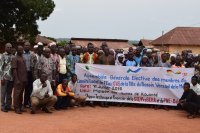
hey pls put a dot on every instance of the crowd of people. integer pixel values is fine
(43, 77)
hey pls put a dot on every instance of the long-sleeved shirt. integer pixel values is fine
(39, 91)
(190, 96)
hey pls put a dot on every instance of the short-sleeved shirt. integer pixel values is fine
(19, 64)
(5, 66)
(72, 61)
(47, 65)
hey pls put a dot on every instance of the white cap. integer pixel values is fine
(174, 55)
(78, 46)
(35, 46)
(145, 56)
(134, 48)
(52, 44)
(40, 44)
(149, 50)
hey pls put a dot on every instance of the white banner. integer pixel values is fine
(145, 85)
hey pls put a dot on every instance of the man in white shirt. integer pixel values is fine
(42, 95)
(195, 86)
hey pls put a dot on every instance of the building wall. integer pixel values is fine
(179, 49)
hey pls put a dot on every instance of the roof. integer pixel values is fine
(100, 39)
(112, 43)
(43, 40)
(180, 36)
(145, 42)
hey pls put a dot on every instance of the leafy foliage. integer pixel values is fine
(18, 17)
(63, 43)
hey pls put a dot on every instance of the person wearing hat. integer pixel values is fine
(38, 55)
(149, 55)
(145, 62)
(119, 59)
(35, 47)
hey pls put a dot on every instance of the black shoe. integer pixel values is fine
(27, 106)
(22, 110)
(92, 104)
(191, 116)
(102, 104)
(46, 110)
(10, 109)
(106, 105)
(32, 112)
(17, 111)
(4, 110)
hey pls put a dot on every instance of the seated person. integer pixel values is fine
(190, 101)
(66, 96)
(195, 86)
(42, 95)
(73, 86)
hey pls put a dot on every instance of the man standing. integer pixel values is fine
(130, 61)
(42, 95)
(20, 79)
(62, 65)
(73, 59)
(28, 56)
(34, 63)
(6, 78)
(90, 57)
(106, 58)
(54, 54)
(47, 65)
(138, 56)
(178, 63)
(163, 61)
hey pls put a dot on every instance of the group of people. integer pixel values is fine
(45, 77)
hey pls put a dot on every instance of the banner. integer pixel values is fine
(145, 85)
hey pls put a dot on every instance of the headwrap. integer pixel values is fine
(117, 63)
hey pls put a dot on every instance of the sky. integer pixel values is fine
(119, 19)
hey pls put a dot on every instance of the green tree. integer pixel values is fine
(19, 17)
(63, 43)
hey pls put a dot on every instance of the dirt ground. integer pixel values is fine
(100, 120)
